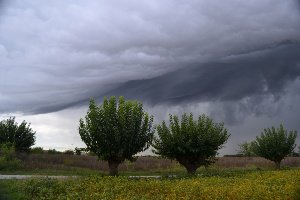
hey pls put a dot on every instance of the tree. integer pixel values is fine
(37, 150)
(79, 151)
(22, 137)
(8, 158)
(246, 149)
(116, 130)
(191, 143)
(275, 144)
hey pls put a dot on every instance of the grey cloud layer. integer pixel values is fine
(254, 74)
(59, 54)
(236, 87)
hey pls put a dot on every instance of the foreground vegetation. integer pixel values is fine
(229, 177)
(226, 184)
(63, 164)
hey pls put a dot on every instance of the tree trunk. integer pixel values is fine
(113, 168)
(191, 168)
(277, 164)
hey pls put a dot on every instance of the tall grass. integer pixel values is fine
(150, 163)
(258, 185)
(63, 161)
(232, 162)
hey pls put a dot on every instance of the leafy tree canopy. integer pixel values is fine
(246, 149)
(21, 136)
(116, 130)
(275, 143)
(191, 142)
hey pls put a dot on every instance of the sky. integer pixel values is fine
(236, 61)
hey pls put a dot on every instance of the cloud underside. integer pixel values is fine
(260, 73)
(254, 76)
(255, 83)
(58, 55)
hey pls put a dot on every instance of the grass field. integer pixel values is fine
(61, 164)
(225, 184)
(228, 178)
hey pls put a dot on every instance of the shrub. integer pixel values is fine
(247, 149)
(8, 159)
(53, 151)
(116, 130)
(36, 150)
(21, 136)
(192, 143)
(275, 144)
(69, 152)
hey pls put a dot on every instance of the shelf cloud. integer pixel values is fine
(58, 54)
(239, 58)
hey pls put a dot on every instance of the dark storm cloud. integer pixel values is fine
(2, 4)
(59, 54)
(252, 74)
